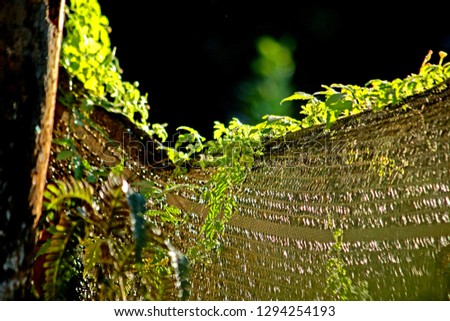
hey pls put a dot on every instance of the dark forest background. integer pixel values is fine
(191, 56)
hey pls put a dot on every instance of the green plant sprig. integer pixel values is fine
(337, 100)
(87, 55)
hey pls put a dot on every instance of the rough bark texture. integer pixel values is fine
(30, 39)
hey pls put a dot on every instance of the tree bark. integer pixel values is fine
(30, 41)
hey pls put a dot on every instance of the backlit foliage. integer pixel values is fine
(107, 240)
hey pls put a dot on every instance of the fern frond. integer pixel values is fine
(109, 249)
(92, 253)
(114, 207)
(59, 249)
(55, 251)
(62, 191)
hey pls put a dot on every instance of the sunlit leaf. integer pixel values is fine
(299, 95)
(92, 254)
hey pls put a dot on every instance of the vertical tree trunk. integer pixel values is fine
(30, 41)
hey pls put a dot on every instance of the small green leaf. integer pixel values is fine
(334, 99)
(78, 168)
(299, 95)
(91, 178)
(65, 154)
(92, 254)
